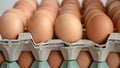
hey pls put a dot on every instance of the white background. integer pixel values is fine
(7, 4)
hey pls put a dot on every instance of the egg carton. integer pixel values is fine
(13, 48)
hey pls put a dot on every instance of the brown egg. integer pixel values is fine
(113, 10)
(51, 11)
(55, 59)
(2, 58)
(25, 10)
(116, 17)
(112, 4)
(26, 59)
(84, 59)
(19, 13)
(7, 21)
(99, 26)
(70, 10)
(117, 26)
(68, 32)
(33, 3)
(75, 2)
(92, 13)
(113, 63)
(98, 6)
(41, 27)
(109, 2)
(52, 3)
(91, 1)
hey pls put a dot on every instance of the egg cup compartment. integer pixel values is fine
(13, 48)
(9, 65)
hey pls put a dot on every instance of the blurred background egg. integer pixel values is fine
(84, 59)
(26, 59)
(55, 59)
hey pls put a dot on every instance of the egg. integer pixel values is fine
(116, 17)
(2, 58)
(55, 59)
(117, 26)
(84, 59)
(26, 59)
(68, 28)
(33, 3)
(41, 27)
(109, 2)
(90, 14)
(7, 30)
(113, 10)
(113, 63)
(86, 3)
(98, 28)
(19, 13)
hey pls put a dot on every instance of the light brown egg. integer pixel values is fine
(53, 3)
(19, 13)
(98, 6)
(84, 59)
(91, 1)
(117, 26)
(55, 59)
(71, 2)
(109, 2)
(41, 27)
(10, 26)
(33, 3)
(113, 63)
(2, 58)
(51, 11)
(26, 59)
(116, 17)
(99, 26)
(68, 28)
(92, 13)
(113, 10)
(25, 10)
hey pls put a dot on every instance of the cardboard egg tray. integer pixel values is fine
(13, 48)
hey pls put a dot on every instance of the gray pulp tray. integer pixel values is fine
(13, 48)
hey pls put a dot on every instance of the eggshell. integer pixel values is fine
(99, 6)
(113, 63)
(41, 27)
(25, 10)
(51, 11)
(84, 59)
(51, 3)
(52, 18)
(116, 17)
(75, 2)
(2, 58)
(23, 4)
(117, 26)
(7, 21)
(113, 10)
(55, 59)
(70, 10)
(68, 28)
(109, 2)
(91, 1)
(19, 13)
(98, 28)
(26, 59)
(112, 5)
(32, 3)
(90, 14)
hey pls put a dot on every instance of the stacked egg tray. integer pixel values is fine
(13, 48)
